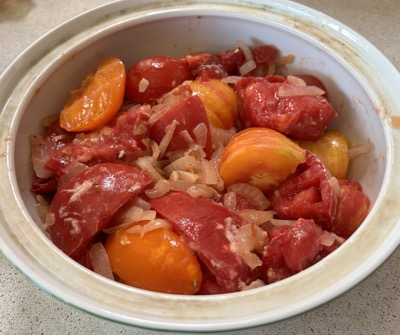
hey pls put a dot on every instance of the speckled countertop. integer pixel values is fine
(373, 307)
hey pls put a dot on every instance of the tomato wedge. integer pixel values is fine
(98, 99)
(84, 206)
(205, 227)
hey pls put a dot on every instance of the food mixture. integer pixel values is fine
(205, 174)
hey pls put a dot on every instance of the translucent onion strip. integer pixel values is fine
(248, 55)
(359, 150)
(290, 91)
(152, 225)
(100, 261)
(145, 163)
(200, 134)
(160, 188)
(252, 193)
(185, 163)
(297, 81)
(256, 217)
(168, 136)
(247, 67)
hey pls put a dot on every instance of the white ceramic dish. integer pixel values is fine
(362, 86)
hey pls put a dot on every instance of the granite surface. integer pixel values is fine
(373, 307)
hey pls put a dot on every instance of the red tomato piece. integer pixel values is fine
(304, 117)
(291, 249)
(45, 185)
(264, 54)
(230, 60)
(353, 207)
(306, 194)
(117, 142)
(152, 77)
(205, 226)
(189, 113)
(84, 206)
(311, 80)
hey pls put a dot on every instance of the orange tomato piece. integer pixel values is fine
(219, 100)
(98, 99)
(259, 156)
(332, 149)
(159, 261)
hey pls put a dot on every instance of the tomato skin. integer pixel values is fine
(203, 225)
(302, 117)
(219, 100)
(311, 80)
(163, 73)
(84, 206)
(306, 194)
(159, 261)
(264, 54)
(106, 145)
(259, 156)
(98, 99)
(189, 113)
(291, 249)
(353, 207)
(332, 149)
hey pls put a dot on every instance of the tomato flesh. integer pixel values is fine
(158, 261)
(152, 77)
(98, 99)
(84, 206)
(204, 225)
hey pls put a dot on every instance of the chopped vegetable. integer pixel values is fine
(97, 100)
(261, 157)
(158, 261)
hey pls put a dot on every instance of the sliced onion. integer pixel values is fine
(247, 67)
(100, 261)
(50, 220)
(297, 81)
(290, 91)
(188, 139)
(231, 79)
(200, 134)
(42, 208)
(145, 164)
(158, 112)
(333, 182)
(151, 225)
(180, 185)
(185, 176)
(284, 60)
(209, 172)
(250, 238)
(255, 216)
(252, 193)
(221, 136)
(254, 284)
(143, 85)
(39, 156)
(248, 55)
(327, 238)
(271, 68)
(168, 136)
(280, 223)
(140, 128)
(185, 163)
(200, 190)
(140, 202)
(160, 188)
(359, 150)
(230, 200)
(155, 149)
